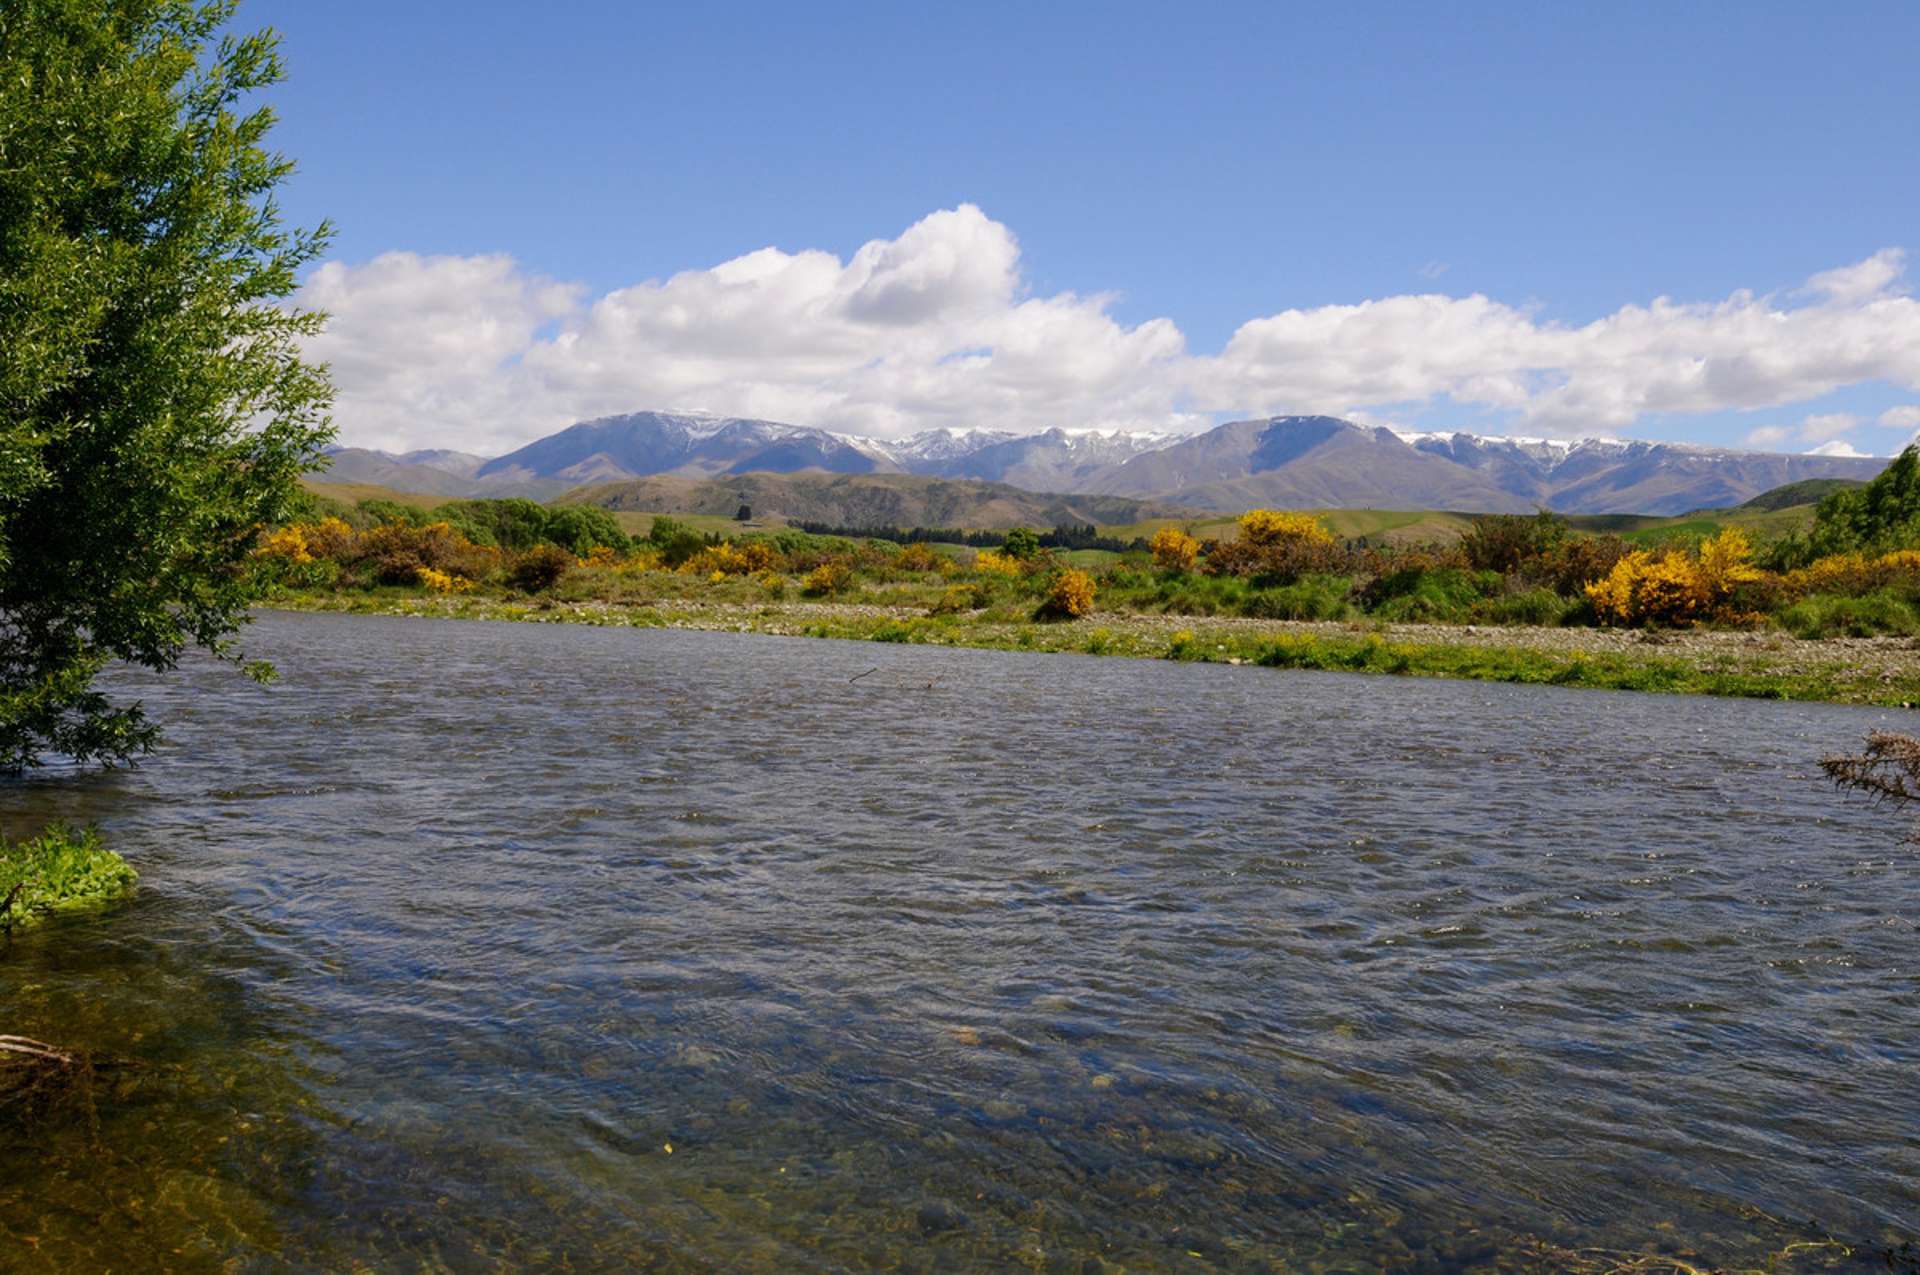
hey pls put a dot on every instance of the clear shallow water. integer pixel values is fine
(982, 960)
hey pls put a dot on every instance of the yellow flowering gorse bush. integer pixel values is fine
(287, 543)
(1676, 587)
(997, 564)
(1276, 526)
(1173, 549)
(1070, 594)
(442, 581)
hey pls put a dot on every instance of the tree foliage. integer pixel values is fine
(1881, 516)
(155, 412)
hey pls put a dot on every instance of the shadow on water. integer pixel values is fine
(501, 948)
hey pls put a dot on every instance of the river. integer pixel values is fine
(483, 946)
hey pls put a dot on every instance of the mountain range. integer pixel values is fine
(1285, 461)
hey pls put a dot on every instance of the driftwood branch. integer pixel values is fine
(34, 1049)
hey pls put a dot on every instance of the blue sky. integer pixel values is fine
(1204, 169)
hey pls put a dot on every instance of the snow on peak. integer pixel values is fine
(1838, 447)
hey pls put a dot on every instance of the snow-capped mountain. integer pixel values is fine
(1289, 461)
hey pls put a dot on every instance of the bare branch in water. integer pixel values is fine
(1889, 770)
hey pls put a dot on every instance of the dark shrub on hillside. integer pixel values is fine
(1508, 542)
(1278, 562)
(395, 553)
(539, 568)
(1576, 562)
(674, 541)
(1428, 594)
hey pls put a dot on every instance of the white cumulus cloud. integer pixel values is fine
(937, 327)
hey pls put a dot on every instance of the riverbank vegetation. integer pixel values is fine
(61, 869)
(1384, 607)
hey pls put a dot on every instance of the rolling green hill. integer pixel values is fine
(1809, 492)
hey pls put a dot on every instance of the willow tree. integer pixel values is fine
(155, 411)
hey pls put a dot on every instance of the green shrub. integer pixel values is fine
(385, 512)
(1507, 543)
(1200, 595)
(1535, 606)
(1021, 543)
(1313, 597)
(58, 870)
(675, 541)
(1425, 595)
(1825, 615)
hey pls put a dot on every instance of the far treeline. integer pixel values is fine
(1854, 572)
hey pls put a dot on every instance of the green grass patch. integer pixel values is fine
(1542, 607)
(1313, 597)
(1528, 667)
(1826, 615)
(62, 869)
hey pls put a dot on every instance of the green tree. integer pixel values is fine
(675, 541)
(581, 527)
(1881, 516)
(155, 412)
(1021, 543)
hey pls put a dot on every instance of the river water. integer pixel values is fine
(472, 947)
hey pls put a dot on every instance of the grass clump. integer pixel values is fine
(1429, 595)
(59, 870)
(1825, 615)
(1541, 607)
(1311, 597)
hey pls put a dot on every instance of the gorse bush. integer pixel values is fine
(826, 580)
(1069, 595)
(443, 582)
(1276, 548)
(395, 553)
(998, 564)
(1275, 526)
(1676, 587)
(1173, 549)
(958, 598)
(919, 557)
(539, 568)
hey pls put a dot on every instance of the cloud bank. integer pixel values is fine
(937, 328)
